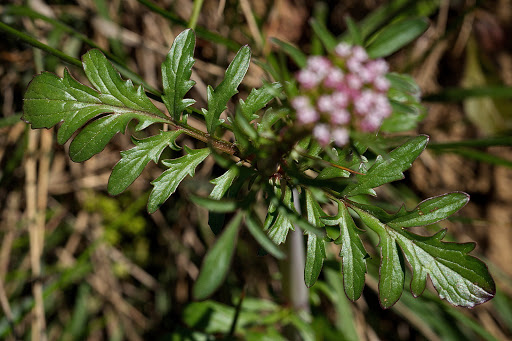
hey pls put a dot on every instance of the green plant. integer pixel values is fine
(271, 157)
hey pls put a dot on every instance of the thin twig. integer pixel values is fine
(238, 309)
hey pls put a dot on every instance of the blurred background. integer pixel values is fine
(82, 265)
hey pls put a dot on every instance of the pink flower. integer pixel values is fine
(370, 123)
(340, 136)
(366, 75)
(308, 79)
(340, 116)
(354, 65)
(301, 102)
(319, 65)
(381, 106)
(378, 67)
(307, 115)
(322, 134)
(353, 81)
(359, 53)
(381, 83)
(326, 103)
(365, 102)
(334, 78)
(343, 50)
(340, 99)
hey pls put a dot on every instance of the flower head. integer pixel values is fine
(343, 92)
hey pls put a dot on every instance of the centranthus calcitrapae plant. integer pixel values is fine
(315, 133)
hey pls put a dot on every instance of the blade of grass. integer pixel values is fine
(71, 60)
(36, 43)
(480, 156)
(459, 94)
(200, 31)
(485, 142)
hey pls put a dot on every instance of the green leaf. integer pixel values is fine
(389, 168)
(392, 276)
(295, 54)
(133, 161)
(404, 96)
(223, 182)
(356, 36)
(461, 279)
(431, 210)
(277, 224)
(315, 252)
(258, 99)
(50, 100)
(217, 261)
(176, 71)
(352, 252)
(246, 136)
(167, 183)
(256, 231)
(218, 98)
(323, 34)
(216, 205)
(404, 84)
(404, 117)
(395, 36)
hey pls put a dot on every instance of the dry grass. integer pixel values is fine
(59, 230)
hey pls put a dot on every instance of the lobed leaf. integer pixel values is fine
(133, 161)
(217, 261)
(50, 100)
(277, 224)
(461, 279)
(430, 211)
(352, 252)
(223, 182)
(218, 98)
(176, 72)
(389, 168)
(246, 136)
(315, 252)
(167, 183)
(258, 99)
(256, 231)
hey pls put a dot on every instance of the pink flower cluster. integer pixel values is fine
(346, 91)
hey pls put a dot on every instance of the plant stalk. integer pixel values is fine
(293, 273)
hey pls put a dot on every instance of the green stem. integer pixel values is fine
(222, 145)
(73, 61)
(34, 42)
(238, 309)
(198, 4)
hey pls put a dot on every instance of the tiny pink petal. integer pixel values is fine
(340, 116)
(359, 53)
(381, 83)
(322, 134)
(307, 116)
(340, 136)
(343, 50)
